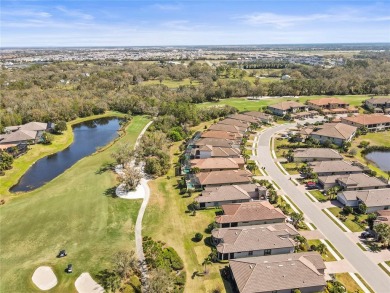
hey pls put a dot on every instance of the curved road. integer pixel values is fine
(371, 272)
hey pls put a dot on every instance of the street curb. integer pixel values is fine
(361, 285)
(330, 215)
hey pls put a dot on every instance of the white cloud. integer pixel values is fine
(284, 20)
(26, 13)
(167, 7)
(75, 13)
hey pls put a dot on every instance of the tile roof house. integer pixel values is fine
(27, 133)
(221, 134)
(249, 213)
(325, 168)
(216, 142)
(218, 164)
(244, 118)
(331, 106)
(257, 240)
(316, 154)
(327, 103)
(208, 151)
(226, 194)
(373, 122)
(242, 125)
(263, 117)
(358, 181)
(218, 178)
(336, 133)
(380, 102)
(374, 199)
(283, 108)
(279, 273)
(227, 127)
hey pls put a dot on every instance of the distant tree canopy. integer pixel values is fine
(62, 91)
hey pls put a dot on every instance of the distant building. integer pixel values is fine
(336, 133)
(373, 122)
(263, 117)
(283, 108)
(381, 103)
(29, 133)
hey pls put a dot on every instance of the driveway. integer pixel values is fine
(360, 262)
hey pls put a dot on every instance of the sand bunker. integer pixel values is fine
(85, 284)
(44, 278)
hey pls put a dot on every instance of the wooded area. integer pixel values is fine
(66, 90)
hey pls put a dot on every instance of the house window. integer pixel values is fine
(250, 253)
(267, 252)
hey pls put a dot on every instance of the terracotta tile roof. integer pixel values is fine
(221, 134)
(335, 130)
(215, 142)
(327, 101)
(224, 177)
(242, 117)
(287, 105)
(217, 163)
(226, 127)
(361, 180)
(367, 119)
(278, 272)
(230, 192)
(242, 126)
(257, 237)
(260, 115)
(317, 153)
(248, 212)
(333, 166)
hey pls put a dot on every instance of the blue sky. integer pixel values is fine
(148, 23)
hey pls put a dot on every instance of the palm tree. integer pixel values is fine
(246, 157)
(206, 261)
(296, 218)
(321, 248)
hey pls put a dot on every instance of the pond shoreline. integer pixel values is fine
(23, 163)
(89, 136)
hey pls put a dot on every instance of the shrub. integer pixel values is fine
(198, 237)
(174, 259)
(347, 210)
(181, 278)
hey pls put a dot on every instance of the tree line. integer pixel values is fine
(66, 90)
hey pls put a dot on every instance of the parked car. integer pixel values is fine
(69, 269)
(365, 234)
(311, 185)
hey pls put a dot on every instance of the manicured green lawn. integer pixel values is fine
(348, 282)
(172, 83)
(166, 219)
(76, 212)
(292, 168)
(375, 138)
(388, 262)
(326, 256)
(243, 104)
(38, 151)
(318, 195)
(354, 227)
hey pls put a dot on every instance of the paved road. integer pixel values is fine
(371, 272)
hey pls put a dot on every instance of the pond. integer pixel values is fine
(88, 136)
(381, 159)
